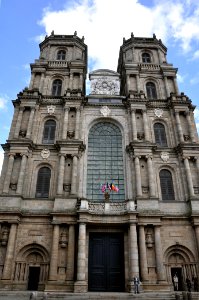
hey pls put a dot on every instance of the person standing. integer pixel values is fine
(175, 282)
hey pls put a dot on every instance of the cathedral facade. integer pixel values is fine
(98, 189)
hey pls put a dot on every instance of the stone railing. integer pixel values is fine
(58, 63)
(108, 208)
(149, 67)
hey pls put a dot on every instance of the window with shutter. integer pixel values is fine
(166, 184)
(151, 90)
(160, 134)
(56, 87)
(43, 182)
(49, 132)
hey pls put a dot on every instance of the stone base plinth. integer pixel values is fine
(160, 286)
(53, 286)
(80, 287)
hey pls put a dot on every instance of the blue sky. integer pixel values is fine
(103, 23)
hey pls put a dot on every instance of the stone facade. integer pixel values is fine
(49, 221)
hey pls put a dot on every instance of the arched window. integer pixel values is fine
(105, 161)
(166, 184)
(56, 87)
(61, 55)
(146, 58)
(49, 132)
(151, 90)
(43, 182)
(160, 134)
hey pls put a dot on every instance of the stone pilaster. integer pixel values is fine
(138, 176)
(166, 86)
(74, 176)
(190, 126)
(71, 81)
(8, 265)
(21, 174)
(54, 254)
(70, 256)
(133, 123)
(41, 83)
(77, 123)
(197, 235)
(32, 81)
(159, 256)
(61, 174)
(81, 285)
(188, 176)
(133, 255)
(151, 176)
(18, 124)
(81, 82)
(14, 121)
(145, 123)
(143, 255)
(176, 85)
(65, 123)
(179, 127)
(30, 123)
(6, 184)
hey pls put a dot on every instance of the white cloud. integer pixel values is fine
(180, 78)
(3, 101)
(195, 55)
(196, 115)
(105, 23)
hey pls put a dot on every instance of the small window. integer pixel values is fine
(166, 184)
(43, 182)
(61, 55)
(146, 58)
(49, 132)
(56, 87)
(151, 90)
(160, 134)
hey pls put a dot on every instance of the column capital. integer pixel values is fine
(66, 108)
(149, 156)
(196, 158)
(185, 157)
(136, 156)
(75, 155)
(24, 154)
(11, 154)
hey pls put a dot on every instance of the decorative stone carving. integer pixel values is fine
(140, 135)
(164, 156)
(105, 86)
(22, 133)
(70, 134)
(51, 109)
(158, 112)
(149, 239)
(4, 236)
(63, 241)
(45, 153)
(186, 137)
(145, 189)
(105, 111)
(67, 187)
(13, 186)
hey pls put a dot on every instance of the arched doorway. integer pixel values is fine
(180, 262)
(31, 267)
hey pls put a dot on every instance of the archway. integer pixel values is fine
(31, 267)
(180, 261)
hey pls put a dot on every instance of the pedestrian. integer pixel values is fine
(136, 284)
(175, 282)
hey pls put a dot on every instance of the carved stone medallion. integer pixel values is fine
(105, 111)
(105, 86)
(45, 153)
(158, 112)
(51, 109)
(164, 156)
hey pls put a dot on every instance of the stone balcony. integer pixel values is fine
(107, 208)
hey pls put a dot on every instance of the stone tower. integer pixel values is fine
(97, 189)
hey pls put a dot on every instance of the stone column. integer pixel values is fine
(146, 127)
(138, 176)
(143, 255)
(159, 255)
(18, 124)
(61, 174)
(77, 123)
(74, 176)
(7, 270)
(70, 255)
(54, 254)
(133, 255)
(166, 86)
(30, 123)
(65, 123)
(128, 83)
(71, 81)
(151, 176)
(190, 125)
(138, 82)
(189, 176)
(6, 184)
(32, 81)
(80, 285)
(41, 82)
(179, 127)
(176, 85)
(133, 123)
(14, 121)
(21, 174)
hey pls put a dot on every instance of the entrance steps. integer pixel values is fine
(27, 295)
